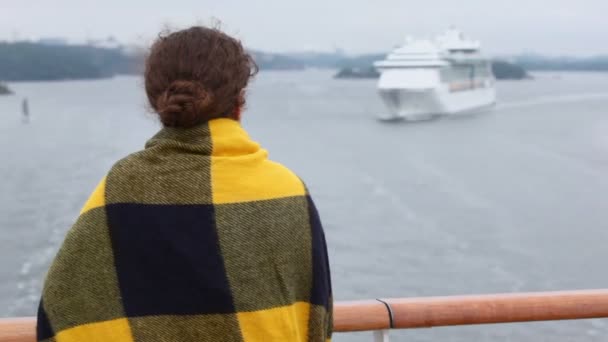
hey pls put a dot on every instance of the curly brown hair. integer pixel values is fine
(197, 74)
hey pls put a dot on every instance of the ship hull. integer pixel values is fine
(416, 105)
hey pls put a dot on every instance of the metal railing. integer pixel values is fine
(381, 315)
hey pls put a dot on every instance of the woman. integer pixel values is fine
(199, 237)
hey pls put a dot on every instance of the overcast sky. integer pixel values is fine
(557, 27)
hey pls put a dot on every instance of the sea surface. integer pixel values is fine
(515, 199)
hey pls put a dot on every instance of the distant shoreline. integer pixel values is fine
(20, 61)
(330, 71)
(339, 73)
(59, 80)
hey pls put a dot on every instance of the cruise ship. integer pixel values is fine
(444, 75)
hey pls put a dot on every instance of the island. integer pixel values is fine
(369, 72)
(502, 70)
(4, 90)
(34, 61)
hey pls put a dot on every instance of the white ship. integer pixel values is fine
(441, 76)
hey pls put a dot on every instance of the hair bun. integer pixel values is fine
(184, 104)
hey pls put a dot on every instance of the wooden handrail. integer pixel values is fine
(18, 330)
(468, 310)
(427, 312)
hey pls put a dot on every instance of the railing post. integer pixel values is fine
(381, 336)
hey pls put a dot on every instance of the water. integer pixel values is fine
(512, 200)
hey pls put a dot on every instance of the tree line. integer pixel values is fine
(27, 61)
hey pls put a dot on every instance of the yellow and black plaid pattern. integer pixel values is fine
(199, 237)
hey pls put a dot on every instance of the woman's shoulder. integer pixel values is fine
(149, 177)
(242, 182)
(288, 176)
(133, 162)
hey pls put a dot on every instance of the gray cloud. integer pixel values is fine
(544, 26)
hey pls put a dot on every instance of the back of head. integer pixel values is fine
(195, 75)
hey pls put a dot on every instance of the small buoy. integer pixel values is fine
(25, 110)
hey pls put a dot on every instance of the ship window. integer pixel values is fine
(462, 77)
(482, 70)
(456, 73)
(465, 72)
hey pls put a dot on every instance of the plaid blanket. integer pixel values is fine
(199, 237)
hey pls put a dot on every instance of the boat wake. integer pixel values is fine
(542, 100)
